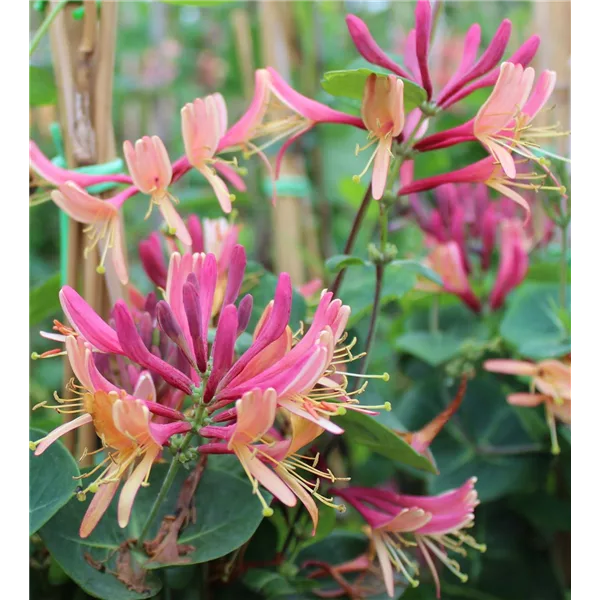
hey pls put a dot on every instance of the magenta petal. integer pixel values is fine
(153, 260)
(191, 303)
(471, 46)
(489, 59)
(368, 48)
(244, 312)
(87, 322)
(194, 226)
(223, 349)
(133, 347)
(272, 330)
(237, 268)
(422, 34)
(161, 432)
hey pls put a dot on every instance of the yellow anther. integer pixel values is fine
(33, 445)
(356, 178)
(387, 406)
(100, 269)
(34, 356)
(80, 496)
(267, 511)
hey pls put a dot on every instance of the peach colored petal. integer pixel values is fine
(99, 504)
(133, 484)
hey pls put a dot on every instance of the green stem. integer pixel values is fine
(379, 271)
(434, 315)
(41, 32)
(358, 219)
(171, 473)
(162, 494)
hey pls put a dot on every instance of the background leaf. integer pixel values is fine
(43, 300)
(51, 482)
(533, 322)
(365, 430)
(227, 514)
(42, 89)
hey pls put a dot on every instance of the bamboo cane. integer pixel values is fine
(83, 57)
(289, 212)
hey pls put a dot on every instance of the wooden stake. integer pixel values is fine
(290, 211)
(83, 57)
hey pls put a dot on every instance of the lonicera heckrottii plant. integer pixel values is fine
(199, 371)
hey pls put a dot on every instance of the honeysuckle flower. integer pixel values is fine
(56, 175)
(490, 173)
(306, 372)
(211, 236)
(267, 459)
(382, 111)
(550, 386)
(472, 73)
(123, 424)
(103, 221)
(433, 524)
(278, 113)
(503, 123)
(446, 260)
(152, 172)
(203, 125)
(514, 261)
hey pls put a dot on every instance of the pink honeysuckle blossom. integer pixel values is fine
(278, 112)
(124, 424)
(514, 261)
(382, 111)
(552, 380)
(268, 459)
(490, 173)
(56, 175)
(152, 172)
(472, 73)
(211, 236)
(203, 125)
(434, 524)
(103, 221)
(503, 123)
(305, 372)
(446, 260)
(302, 369)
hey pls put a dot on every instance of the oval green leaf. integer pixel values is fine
(365, 430)
(350, 83)
(227, 514)
(51, 482)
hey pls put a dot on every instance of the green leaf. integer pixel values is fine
(419, 268)
(357, 290)
(365, 430)
(43, 300)
(227, 514)
(484, 439)
(350, 83)
(339, 547)
(51, 482)
(534, 324)
(457, 326)
(267, 583)
(342, 261)
(262, 284)
(42, 89)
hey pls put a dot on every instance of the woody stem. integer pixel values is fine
(356, 225)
